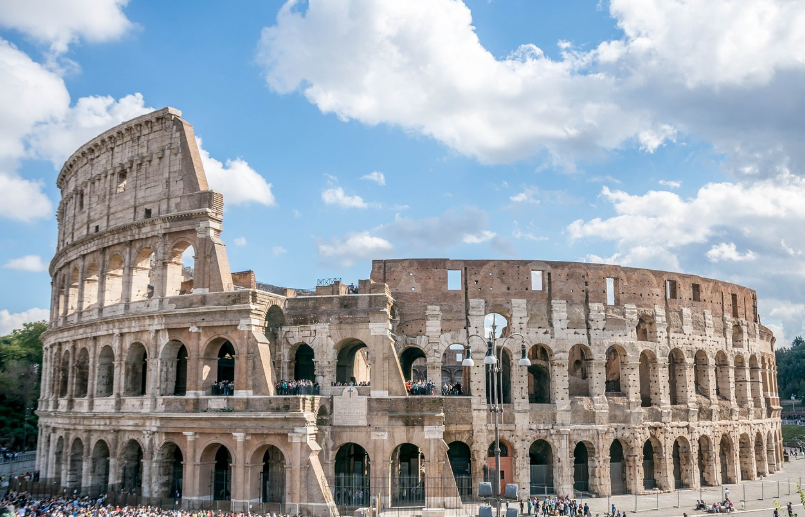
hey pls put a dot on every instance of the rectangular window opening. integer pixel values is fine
(536, 280)
(697, 293)
(148, 213)
(454, 280)
(670, 289)
(121, 181)
(610, 291)
(734, 305)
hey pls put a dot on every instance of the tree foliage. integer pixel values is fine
(791, 369)
(20, 370)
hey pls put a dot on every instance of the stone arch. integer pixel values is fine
(413, 362)
(215, 472)
(58, 459)
(408, 486)
(701, 379)
(143, 274)
(219, 365)
(173, 369)
(91, 277)
(682, 460)
(75, 464)
(539, 374)
(761, 468)
(453, 372)
(725, 455)
(742, 387)
(460, 456)
(352, 364)
(267, 474)
(61, 293)
(352, 475)
(130, 465)
(304, 365)
(745, 457)
(64, 374)
(646, 329)
(499, 321)
(81, 384)
(649, 374)
(581, 466)
(178, 269)
(757, 386)
(771, 453)
(677, 377)
(105, 376)
(737, 336)
(652, 463)
(136, 372)
(617, 468)
(541, 464)
(506, 474)
(168, 471)
(722, 372)
(707, 474)
(503, 381)
(72, 290)
(113, 280)
(578, 368)
(613, 368)
(275, 320)
(99, 467)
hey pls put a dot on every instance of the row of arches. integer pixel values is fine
(90, 286)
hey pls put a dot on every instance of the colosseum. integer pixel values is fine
(168, 375)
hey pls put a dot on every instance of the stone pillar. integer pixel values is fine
(86, 463)
(190, 467)
(92, 374)
(560, 388)
(148, 459)
(435, 373)
(81, 281)
(113, 454)
(194, 364)
(125, 295)
(325, 374)
(71, 375)
(240, 500)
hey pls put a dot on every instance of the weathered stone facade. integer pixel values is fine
(637, 379)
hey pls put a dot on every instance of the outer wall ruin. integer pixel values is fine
(636, 379)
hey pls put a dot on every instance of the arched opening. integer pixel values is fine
(275, 319)
(352, 475)
(81, 373)
(613, 370)
(707, 475)
(453, 373)
(353, 363)
(461, 464)
(683, 466)
(745, 454)
(272, 476)
(222, 475)
(61, 294)
(173, 374)
(143, 274)
(131, 464)
(581, 468)
(722, 376)
(136, 371)
(578, 370)
(677, 378)
(64, 374)
(540, 459)
(497, 323)
(701, 379)
(760, 462)
(180, 268)
(649, 477)
(76, 464)
(113, 281)
(170, 472)
(617, 468)
(407, 476)
(58, 459)
(72, 291)
(413, 364)
(771, 454)
(506, 474)
(646, 329)
(649, 379)
(741, 382)
(303, 367)
(91, 277)
(105, 382)
(539, 375)
(225, 368)
(737, 336)
(757, 385)
(502, 380)
(99, 468)
(726, 460)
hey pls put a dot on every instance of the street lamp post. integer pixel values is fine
(495, 371)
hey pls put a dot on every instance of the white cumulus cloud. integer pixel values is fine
(337, 196)
(239, 183)
(375, 176)
(32, 263)
(670, 183)
(240, 241)
(345, 251)
(10, 321)
(728, 251)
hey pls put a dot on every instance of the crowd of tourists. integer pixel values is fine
(431, 388)
(7, 455)
(224, 388)
(300, 387)
(549, 506)
(351, 383)
(724, 506)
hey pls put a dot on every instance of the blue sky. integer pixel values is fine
(648, 133)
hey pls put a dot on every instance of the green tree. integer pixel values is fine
(20, 369)
(790, 368)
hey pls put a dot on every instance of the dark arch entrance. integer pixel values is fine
(273, 476)
(169, 472)
(352, 475)
(410, 358)
(407, 476)
(504, 385)
(539, 376)
(353, 363)
(725, 457)
(131, 470)
(649, 481)
(303, 367)
(540, 459)
(617, 470)
(461, 464)
(581, 468)
(226, 363)
(222, 475)
(180, 387)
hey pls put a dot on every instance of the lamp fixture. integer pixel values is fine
(468, 357)
(490, 355)
(524, 361)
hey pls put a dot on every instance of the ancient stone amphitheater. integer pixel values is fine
(162, 366)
